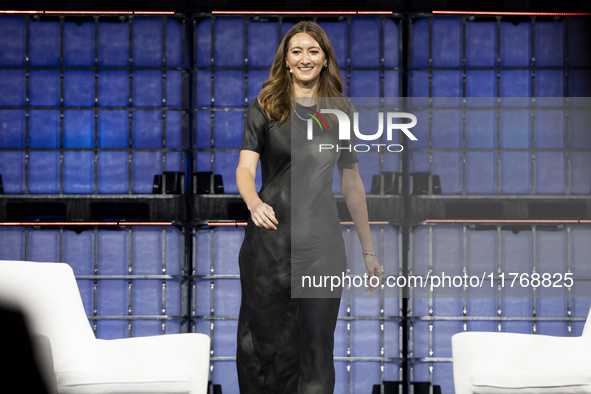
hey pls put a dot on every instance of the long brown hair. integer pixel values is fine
(275, 96)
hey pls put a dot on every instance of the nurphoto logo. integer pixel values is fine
(345, 129)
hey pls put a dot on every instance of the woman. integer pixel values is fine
(285, 344)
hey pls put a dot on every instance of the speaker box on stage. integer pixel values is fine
(218, 184)
(423, 388)
(1, 187)
(389, 388)
(387, 183)
(169, 183)
(422, 182)
(213, 388)
(205, 182)
(394, 387)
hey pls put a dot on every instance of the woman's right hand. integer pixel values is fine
(262, 215)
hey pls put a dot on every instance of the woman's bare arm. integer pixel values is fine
(261, 213)
(354, 194)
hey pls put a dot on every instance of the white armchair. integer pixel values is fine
(499, 363)
(48, 296)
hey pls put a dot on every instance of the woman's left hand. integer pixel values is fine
(375, 270)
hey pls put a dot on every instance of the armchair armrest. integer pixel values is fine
(484, 351)
(173, 356)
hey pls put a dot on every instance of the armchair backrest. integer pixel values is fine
(48, 296)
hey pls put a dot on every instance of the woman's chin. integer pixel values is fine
(306, 79)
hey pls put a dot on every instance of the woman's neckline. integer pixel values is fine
(311, 106)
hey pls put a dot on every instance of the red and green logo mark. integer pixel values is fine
(316, 118)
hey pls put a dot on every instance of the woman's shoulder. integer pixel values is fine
(255, 108)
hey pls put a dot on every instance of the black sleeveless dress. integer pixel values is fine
(285, 344)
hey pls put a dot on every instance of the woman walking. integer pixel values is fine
(285, 344)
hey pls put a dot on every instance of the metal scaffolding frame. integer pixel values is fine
(131, 108)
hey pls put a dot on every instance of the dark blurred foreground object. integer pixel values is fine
(205, 182)
(387, 183)
(169, 183)
(1, 187)
(393, 388)
(28, 362)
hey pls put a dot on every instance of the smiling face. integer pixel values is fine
(305, 58)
